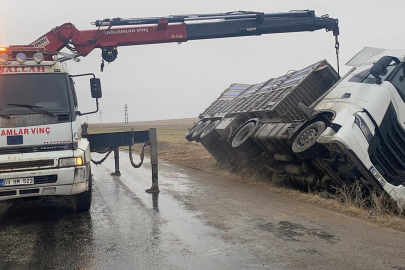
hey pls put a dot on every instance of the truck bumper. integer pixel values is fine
(368, 170)
(69, 181)
(353, 143)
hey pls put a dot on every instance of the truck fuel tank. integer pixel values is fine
(228, 126)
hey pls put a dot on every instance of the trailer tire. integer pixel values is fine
(305, 144)
(197, 133)
(209, 133)
(189, 133)
(83, 200)
(244, 143)
(242, 139)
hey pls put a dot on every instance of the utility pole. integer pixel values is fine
(87, 121)
(126, 113)
(101, 119)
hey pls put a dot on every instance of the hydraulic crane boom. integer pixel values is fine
(108, 36)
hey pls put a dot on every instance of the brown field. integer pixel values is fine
(171, 124)
(172, 146)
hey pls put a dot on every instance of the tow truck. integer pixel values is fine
(44, 149)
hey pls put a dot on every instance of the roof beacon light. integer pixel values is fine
(38, 58)
(21, 58)
(3, 58)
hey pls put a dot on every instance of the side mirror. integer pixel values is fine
(381, 65)
(95, 85)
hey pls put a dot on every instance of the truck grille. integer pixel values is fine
(46, 179)
(8, 193)
(29, 191)
(387, 149)
(16, 166)
(43, 148)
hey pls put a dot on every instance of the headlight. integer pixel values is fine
(38, 58)
(21, 58)
(68, 162)
(359, 121)
(3, 58)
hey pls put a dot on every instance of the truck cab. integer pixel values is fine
(42, 152)
(367, 124)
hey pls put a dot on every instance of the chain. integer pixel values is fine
(142, 155)
(101, 161)
(337, 47)
(102, 65)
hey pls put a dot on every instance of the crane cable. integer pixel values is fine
(337, 47)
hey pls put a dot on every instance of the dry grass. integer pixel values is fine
(349, 200)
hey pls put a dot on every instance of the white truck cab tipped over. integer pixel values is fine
(369, 120)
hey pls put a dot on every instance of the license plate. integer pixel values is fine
(16, 182)
(377, 175)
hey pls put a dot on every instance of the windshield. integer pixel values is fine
(366, 77)
(372, 80)
(398, 80)
(47, 91)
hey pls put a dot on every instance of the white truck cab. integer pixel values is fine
(42, 152)
(368, 122)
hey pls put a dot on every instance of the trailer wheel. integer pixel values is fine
(197, 133)
(209, 130)
(244, 143)
(189, 133)
(305, 144)
(83, 200)
(243, 135)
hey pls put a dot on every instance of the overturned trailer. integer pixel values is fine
(255, 124)
(311, 128)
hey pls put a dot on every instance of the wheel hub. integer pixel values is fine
(308, 136)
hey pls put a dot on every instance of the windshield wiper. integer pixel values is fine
(37, 109)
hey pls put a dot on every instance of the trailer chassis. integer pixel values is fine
(111, 142)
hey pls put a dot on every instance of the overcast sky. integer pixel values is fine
(167, 81)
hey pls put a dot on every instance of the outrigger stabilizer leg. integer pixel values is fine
(117, 162)
(113, 142)
(154, 161)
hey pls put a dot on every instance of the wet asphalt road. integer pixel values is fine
(198, 221)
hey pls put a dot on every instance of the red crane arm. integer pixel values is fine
(176, 29)
(85, 41)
